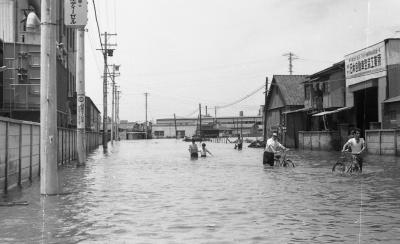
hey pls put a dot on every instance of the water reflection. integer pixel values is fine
(150, 191)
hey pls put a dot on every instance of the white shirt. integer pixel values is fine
(355, 147)
(273, 145)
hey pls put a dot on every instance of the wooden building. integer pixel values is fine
(285, 94)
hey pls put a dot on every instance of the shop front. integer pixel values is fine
(368, 82)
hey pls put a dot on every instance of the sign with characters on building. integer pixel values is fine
(368, 63)
(75, 13)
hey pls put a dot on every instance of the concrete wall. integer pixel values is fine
(319, 140)
(20, 150)
(383, 142)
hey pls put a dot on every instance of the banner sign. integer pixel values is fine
(365, 64)
(75, 13)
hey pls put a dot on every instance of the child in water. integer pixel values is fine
(204, 151)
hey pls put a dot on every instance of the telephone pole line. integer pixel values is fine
(146, 94)
(113, 103)
(291, 57)
(107, 52)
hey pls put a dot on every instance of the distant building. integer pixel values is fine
(210, 126)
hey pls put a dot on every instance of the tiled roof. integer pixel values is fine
(291, 87)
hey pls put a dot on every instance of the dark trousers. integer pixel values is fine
(194, 155)
(268, 158)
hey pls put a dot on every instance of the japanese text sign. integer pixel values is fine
(75, 13)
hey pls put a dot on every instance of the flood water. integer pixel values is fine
(151, 192)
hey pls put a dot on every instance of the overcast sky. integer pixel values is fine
(214, 52)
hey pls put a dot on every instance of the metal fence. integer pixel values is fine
(20, 150)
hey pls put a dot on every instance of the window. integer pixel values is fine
(159, 133)
(307, 92)
(35, 60)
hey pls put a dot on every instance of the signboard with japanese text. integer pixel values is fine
(75, 13)
(368, 63)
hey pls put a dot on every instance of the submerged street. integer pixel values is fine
(149, 191)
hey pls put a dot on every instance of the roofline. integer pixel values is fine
(334, 66)
(384, 40)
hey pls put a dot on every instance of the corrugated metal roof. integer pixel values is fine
(291, 87)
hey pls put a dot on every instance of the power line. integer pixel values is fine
(242, 99)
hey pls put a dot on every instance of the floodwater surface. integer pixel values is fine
(151, 192)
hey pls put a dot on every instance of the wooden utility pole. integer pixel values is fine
(105, 129)
(117, 115)
(200, 120)
(107, 51)
(48, 101)
(113, 105)
(146, 94)
(265, 110)
(81, 98)
(176, 131)
(215, 114)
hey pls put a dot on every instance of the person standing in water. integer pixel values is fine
(357, 145)
(193, 150)
(239, 143)
(204, 151)
(271, 147)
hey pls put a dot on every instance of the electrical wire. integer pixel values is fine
(241, 99)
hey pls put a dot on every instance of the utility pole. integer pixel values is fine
(291, 57)
(107, 52)
(113, 110)
(215, 113)
(81, 98)
(117, 115)
(200, 119)
(146, 94)
(206, 111)
(265, 110)
(48, 101)
(176, 131)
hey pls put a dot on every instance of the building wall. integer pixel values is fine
(239, 125)
(7, 20)
(23, 51)
(335, 97)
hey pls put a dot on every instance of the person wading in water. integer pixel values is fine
(271, 147)
(357, 146)
(193, 150)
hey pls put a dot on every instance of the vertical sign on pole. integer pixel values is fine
(75, 16)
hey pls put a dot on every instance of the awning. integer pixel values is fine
(392, 100)
(332, 112)
(297, 110)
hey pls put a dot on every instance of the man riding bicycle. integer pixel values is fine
(357, 146)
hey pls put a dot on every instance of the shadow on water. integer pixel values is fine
(151, 191)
